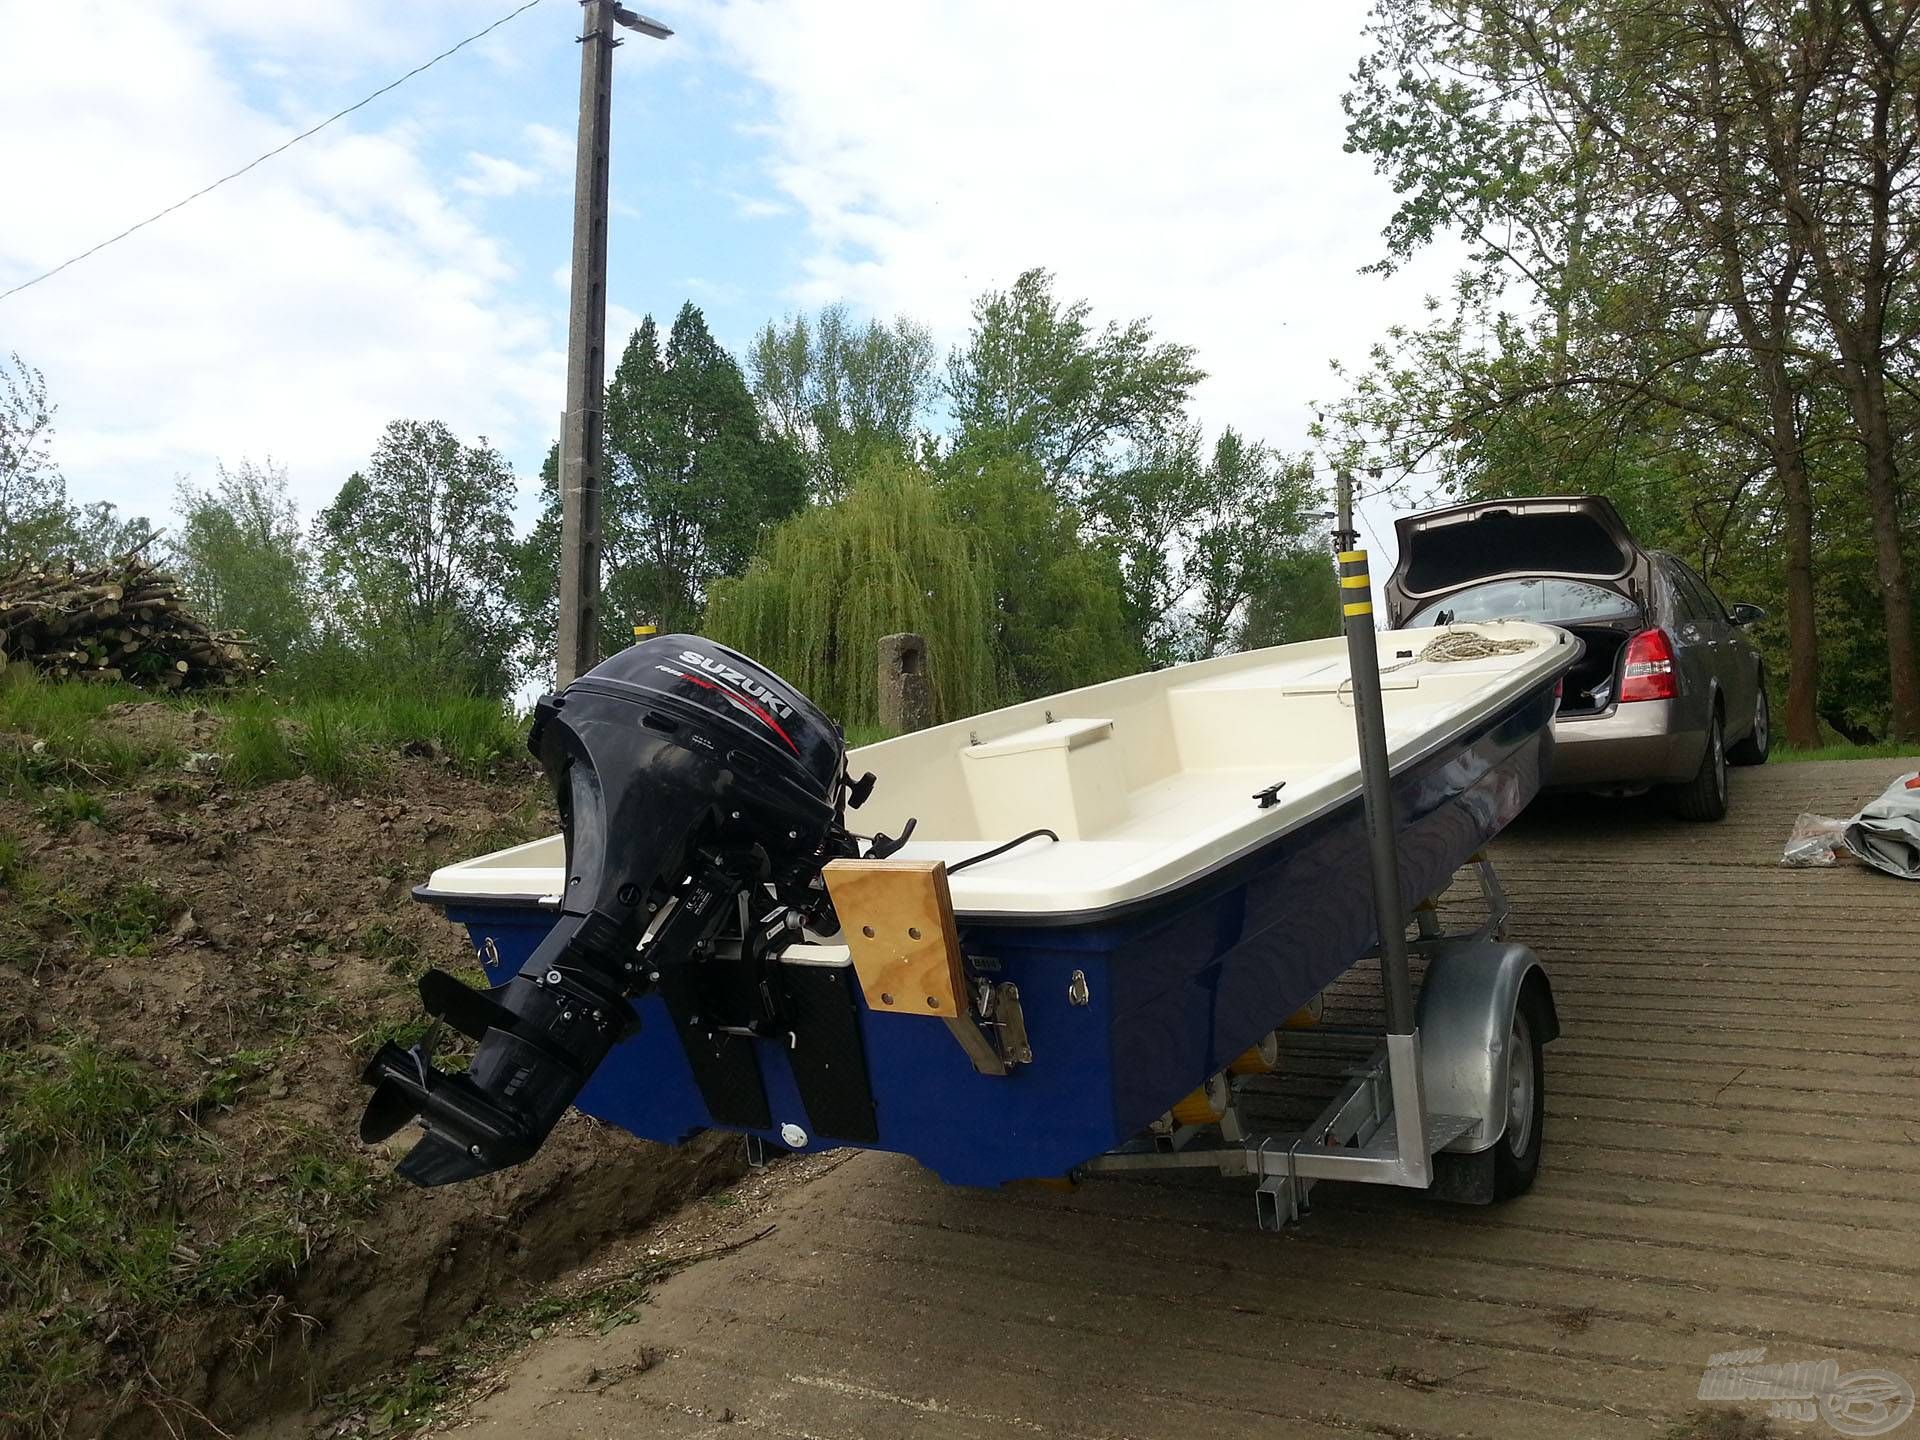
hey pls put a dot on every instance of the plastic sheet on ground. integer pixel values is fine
(1886, 833)
(1814, 841)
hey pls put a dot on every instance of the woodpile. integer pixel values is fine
(125, 620)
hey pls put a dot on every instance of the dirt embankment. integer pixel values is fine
(191, 976)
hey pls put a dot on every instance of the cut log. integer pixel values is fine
(125, 620)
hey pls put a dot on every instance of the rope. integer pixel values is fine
(1467, 645)
(1448, 648)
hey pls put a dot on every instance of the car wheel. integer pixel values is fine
(1516, 1158)
(1753, 749)
(1704, 797)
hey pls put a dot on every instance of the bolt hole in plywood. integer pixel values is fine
(897, 916)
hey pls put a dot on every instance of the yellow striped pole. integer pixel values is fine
(1376, 785)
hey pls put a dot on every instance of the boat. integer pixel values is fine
(1003, 945)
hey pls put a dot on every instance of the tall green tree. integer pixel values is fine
(1297, 600)
(412, 551)
(1035, 378)
(239, 549)
(693, 477)
(843, 394)
(1059, 614)
(825, 586)
(35, 519)
(1196, 535)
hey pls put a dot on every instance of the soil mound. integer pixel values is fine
(191, 977)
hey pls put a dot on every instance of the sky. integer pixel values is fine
(1183, 163)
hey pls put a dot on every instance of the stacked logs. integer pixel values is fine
(125, 620)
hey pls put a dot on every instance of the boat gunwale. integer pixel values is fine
(1571, 645)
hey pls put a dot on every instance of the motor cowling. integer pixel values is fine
(696, 788)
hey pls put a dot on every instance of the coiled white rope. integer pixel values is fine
(1467, 645)
(1450, 647)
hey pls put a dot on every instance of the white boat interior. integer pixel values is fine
(1147, 780)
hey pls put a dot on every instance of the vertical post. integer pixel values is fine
(1376, 785)
(581, 468)
(1376, 789)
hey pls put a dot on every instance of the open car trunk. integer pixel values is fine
(1464, 548)
(1590, 685)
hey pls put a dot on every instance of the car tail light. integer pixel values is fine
(1648, 673)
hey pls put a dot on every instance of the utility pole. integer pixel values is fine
(582, 460)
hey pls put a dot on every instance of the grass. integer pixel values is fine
(858, 735)
(57, 736)
(254, 749)
(123, 919)
(65, 807)
(13, 861)
(1879, 750)
(96, 1151)
(116, 919)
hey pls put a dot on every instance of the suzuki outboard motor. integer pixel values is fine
(696, 790)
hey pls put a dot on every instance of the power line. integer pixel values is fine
(277, 150)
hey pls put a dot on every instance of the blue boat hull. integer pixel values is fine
(1175, 987)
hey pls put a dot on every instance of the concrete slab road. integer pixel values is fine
(1731, 1166)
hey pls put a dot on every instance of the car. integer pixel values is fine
(1669, 688)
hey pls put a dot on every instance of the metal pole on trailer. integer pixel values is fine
(1376, 789)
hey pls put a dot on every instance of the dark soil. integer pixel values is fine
(284, 947)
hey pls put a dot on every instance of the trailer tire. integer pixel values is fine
(1516, 1155)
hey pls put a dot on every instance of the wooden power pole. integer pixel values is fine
(582, 466)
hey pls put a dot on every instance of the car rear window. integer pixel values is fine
(1558, 602)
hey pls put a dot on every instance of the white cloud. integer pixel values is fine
(293, 312)
(552, 151)
(1180, 162)
(492, 176)
(756, 207)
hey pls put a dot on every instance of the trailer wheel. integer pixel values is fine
(1516, 1157)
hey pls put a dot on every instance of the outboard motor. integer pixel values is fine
(697, 791)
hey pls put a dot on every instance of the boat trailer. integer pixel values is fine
(1451, 1107)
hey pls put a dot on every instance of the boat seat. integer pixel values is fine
(1063, 776)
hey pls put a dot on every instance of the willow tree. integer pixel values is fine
(824, 586)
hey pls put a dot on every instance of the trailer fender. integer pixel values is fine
(1465, 1016)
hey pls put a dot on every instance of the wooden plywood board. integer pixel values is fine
(896, 918)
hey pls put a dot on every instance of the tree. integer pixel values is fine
(35, 519)
(411, 553)
(693, 478)
(1059, 620)
(1036, 379)
(1681, 184)
(239, 551)
(1295, 601)
(97, 532)
(843, 394)
(825, 586)
(1196, 537)
(533, 584)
